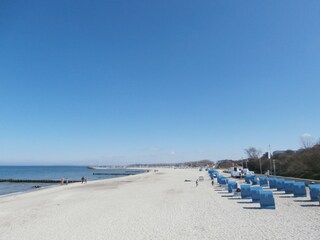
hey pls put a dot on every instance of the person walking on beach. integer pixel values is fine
(67, 181)
(82, 179)
(212, 182)
(197, 183)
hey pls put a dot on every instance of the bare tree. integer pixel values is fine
(307, 141)
(252, 153)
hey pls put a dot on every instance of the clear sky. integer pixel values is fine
(117, 82)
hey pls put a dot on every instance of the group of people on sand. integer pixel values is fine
(197, 182)
(64, 181)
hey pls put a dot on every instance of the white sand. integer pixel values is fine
(152, 206)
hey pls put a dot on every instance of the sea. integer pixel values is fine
(52, 173)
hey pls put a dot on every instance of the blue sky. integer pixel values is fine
(117, 82)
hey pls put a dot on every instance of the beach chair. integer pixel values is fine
(272, 183)
(232, 186)
(255, 193)
(210, 172)
(215, 173)
(245, 191)
(263, 182)
(267, 200)
(219, 178)
(247, 178)
(314, 191)
(288, 187)
(280, 184)
(254, 180)
(318, 194)
(299, 189)
(224, 182)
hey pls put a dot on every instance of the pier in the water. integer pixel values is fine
(36, 180)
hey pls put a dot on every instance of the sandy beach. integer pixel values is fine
(154, 205)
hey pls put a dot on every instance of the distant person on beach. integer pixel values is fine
(238, 187)
(241, 173)
(85, 180)
(62, 180)
(82, 179)
(197, 183)
(212, 182)
(67, 181)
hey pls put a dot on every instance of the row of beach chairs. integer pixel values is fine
(253, 189)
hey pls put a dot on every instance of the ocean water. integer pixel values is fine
(51, 173)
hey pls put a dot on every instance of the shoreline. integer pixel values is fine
(155, 205)
(54, 185)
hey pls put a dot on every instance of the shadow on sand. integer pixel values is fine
(242, 202)
(309, 205)
(279, 193)
(302, 200)
(226, 195)
(256, 208)
(233, 198)
(286, 196)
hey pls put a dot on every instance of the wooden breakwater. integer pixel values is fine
(36, 180)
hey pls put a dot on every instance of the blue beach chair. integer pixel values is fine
(318, 194)
(255, 193)
(211, 175)
(272, 183)
(247, 178)
(219, 177)
(266, 199)
(280, 184)
(254, 180)
(314, 191)
(263, 181)
(232, 186)
(224, 182)
(299, 189)
(245, 191)
(288, 187)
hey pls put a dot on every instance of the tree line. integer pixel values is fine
(303, 163)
